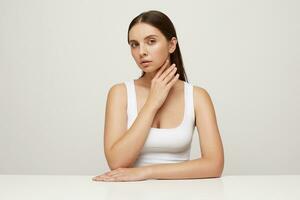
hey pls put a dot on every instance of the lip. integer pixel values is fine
(145, 63)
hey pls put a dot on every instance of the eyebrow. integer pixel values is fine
(144, 38)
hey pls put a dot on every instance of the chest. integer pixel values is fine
(170, 114)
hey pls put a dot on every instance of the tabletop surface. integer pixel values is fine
(82, 187)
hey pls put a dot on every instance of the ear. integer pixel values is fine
(172, 45)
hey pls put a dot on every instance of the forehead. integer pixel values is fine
(142, 30)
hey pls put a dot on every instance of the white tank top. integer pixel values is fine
(164, 145)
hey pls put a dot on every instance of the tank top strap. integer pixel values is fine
(190, 101)
(131, 102)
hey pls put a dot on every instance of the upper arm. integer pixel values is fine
(115, 116)
(209, 136)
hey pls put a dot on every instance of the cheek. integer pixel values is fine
(135, 55)
(159, 55)
(157, 49)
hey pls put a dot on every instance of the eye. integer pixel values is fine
(132, 45)
(152, 41)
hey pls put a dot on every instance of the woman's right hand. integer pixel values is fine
(161, 84)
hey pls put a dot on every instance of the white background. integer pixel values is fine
(59, 58)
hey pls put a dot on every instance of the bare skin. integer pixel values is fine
(160, 101)
(166, 116)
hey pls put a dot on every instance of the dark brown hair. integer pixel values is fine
(162, 22)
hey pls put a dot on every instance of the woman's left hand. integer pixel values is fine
(124, 174)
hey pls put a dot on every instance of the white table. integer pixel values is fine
(56, 187)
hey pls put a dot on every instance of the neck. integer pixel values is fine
(146, 81)
(147, 78)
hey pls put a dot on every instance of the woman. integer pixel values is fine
(149, 122)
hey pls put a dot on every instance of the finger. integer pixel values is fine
(107, 174)
(170, 76)
(113, 179)
(111, 173)
(166, 72)
(100, 177)
(172, 82)
(109, 179)
(116, 174)
(162, 68)
(97, 178)
(104, 178)
(103, 175)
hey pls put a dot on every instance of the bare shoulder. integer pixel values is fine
(117, 88)
(118, 93)
(200, 92)
(202, 98)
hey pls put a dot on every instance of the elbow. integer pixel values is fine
(113, 165)
(117, 166)
(216, 168)
(115, 162)
(217, 174)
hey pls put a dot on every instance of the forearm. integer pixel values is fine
(192, 169)
(126, 150)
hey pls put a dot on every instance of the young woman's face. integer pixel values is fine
(147, 43)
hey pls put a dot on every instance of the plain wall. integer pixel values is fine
(59, 58)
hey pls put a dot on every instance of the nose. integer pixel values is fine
(143, 50)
